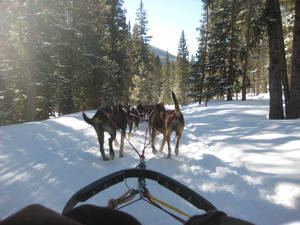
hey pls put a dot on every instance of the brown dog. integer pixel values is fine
(109, 119)
(165, 122)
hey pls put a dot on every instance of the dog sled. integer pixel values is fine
(141, 192)
(211, 216)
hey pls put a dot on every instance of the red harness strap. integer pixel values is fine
(134, 116)
(161, 114)
(115, 117)
(112, 111)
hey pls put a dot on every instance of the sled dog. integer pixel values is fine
(165, 122)
(109, 119)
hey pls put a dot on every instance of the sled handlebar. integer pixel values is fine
(119, 176)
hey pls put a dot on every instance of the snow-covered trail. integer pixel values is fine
(230, 153)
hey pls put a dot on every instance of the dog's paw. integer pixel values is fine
(116, 143)
(154, 151)
(112, 155)
(105, 159)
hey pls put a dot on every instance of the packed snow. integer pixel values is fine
(245, 164)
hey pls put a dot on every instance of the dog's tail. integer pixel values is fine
(88, 120)
(175, 102)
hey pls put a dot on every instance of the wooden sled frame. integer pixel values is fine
(142, 174)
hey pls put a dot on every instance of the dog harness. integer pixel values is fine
(162, 113)
(114, 115)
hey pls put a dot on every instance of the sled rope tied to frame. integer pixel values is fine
(128, 196)
(146, 196)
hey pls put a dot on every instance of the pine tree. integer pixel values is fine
(93, 67)
(155, 77)
(141, 89)
(27, 63)
(182, 67)
(166, 91)
(65, 57)
(140, 57)
(246, 49)
(141, 18)
(7, 73)
(258, 71)
(114, 45)
(288, 20)
(224, 46)
(104, 71)
(294, 103)
(199, 68)
(251, 38)
(46, 80)
(277, 71)
(61, 56)
(213, 86)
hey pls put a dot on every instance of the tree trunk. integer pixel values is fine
(258, 79)
(277, 59)
(232, 73)
(204, 57)
(294, 103)
(31, 65)
(245, 69)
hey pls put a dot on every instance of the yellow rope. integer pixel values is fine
(169, 206)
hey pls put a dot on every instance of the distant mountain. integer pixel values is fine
(161, 53)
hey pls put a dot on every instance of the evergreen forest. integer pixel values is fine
(64, 56)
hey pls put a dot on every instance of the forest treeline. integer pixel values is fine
(60, 57)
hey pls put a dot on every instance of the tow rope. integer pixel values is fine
(166, 211)
(141, 156)
(144, 193)
(167, 205)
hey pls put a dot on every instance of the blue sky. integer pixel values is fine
(167, 19)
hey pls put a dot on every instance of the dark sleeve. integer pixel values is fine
(95, 215)
(215, 218)
(82, 215)
(37, 215)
